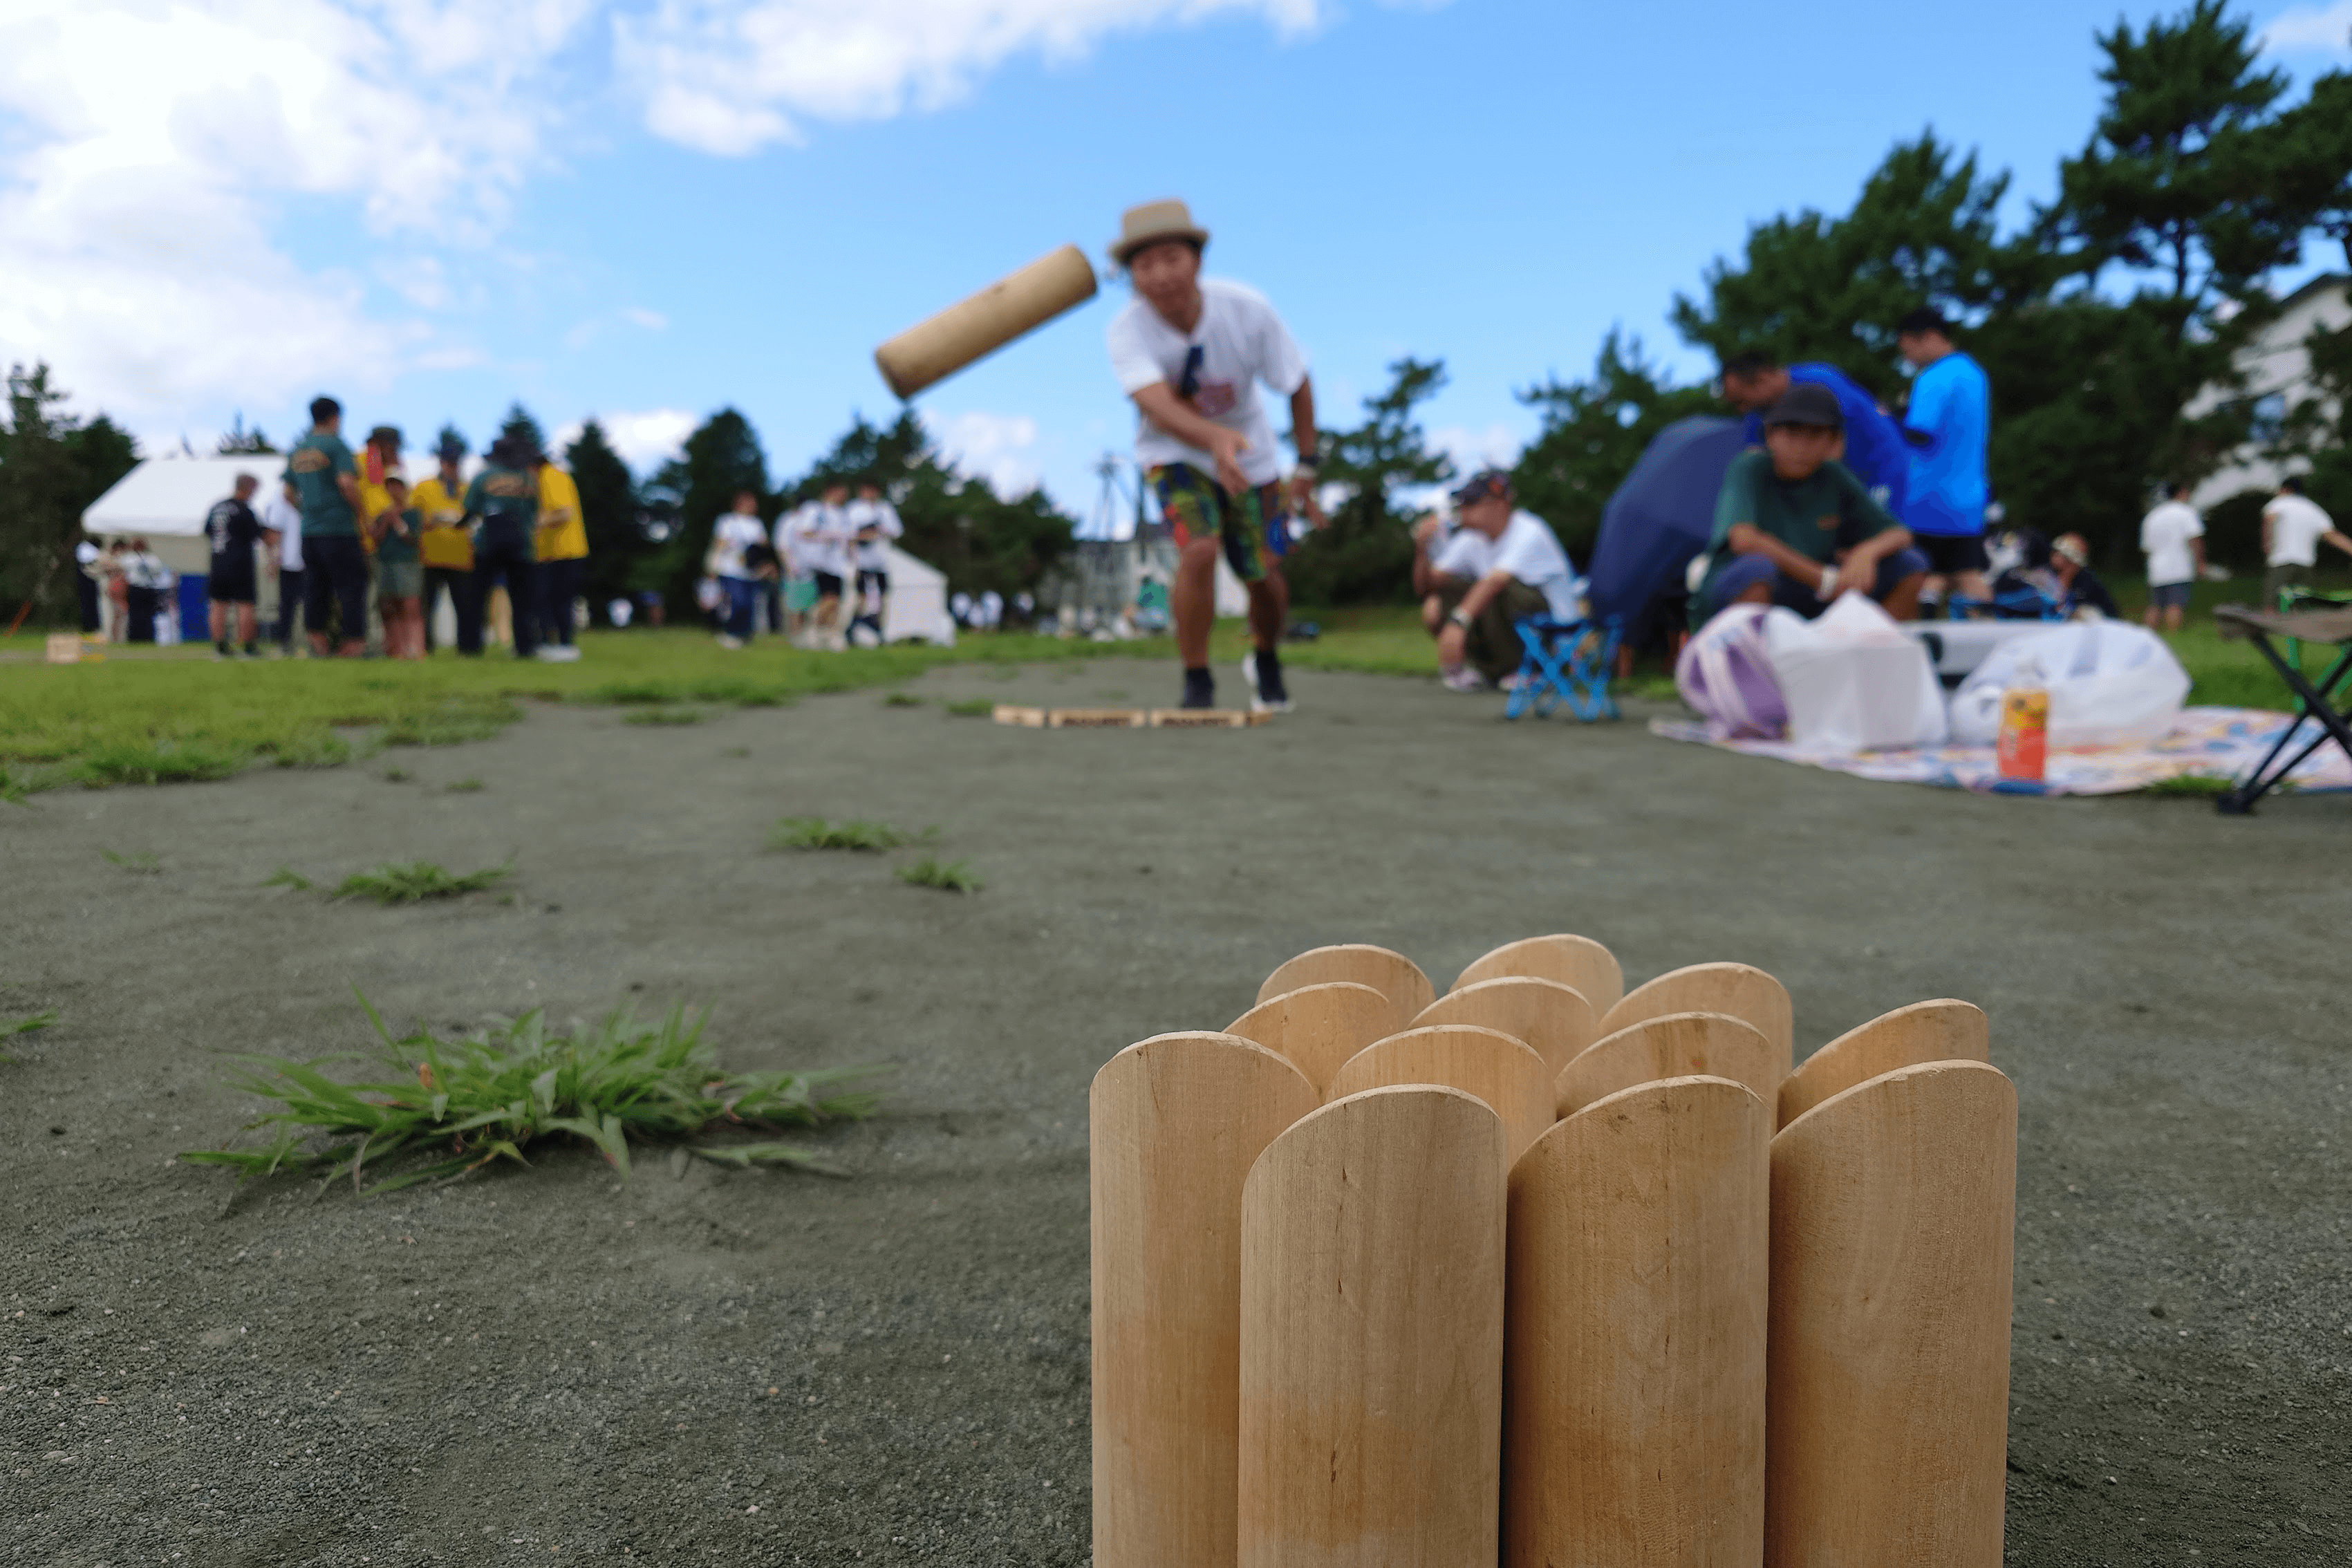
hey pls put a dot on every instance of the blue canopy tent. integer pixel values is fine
(1659, 518)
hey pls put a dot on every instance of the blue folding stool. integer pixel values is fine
(1566, 662)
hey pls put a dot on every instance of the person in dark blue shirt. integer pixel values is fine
(1874, 450)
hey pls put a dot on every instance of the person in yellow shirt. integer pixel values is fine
(446, 545)
(562, 541)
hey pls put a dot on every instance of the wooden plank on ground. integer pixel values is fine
(1204, 719)
(1094, 718)
(1014, 713)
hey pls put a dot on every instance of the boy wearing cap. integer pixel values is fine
(1189, 352)
(447, 547)
(325, 477)
(1501, 566)
(1874, 448)
(1793, 526)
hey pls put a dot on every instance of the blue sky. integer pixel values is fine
(647, 211)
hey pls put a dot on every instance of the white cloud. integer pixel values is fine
(645, 439)
(651, 321)
(999, 449)
(2310, 29)
(731, 76)
(1495, 447)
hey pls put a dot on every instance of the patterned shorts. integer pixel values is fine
(1253, 528)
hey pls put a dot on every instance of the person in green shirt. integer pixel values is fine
(399, 572)
(505, 497)
(1793, 527)
(326, 491)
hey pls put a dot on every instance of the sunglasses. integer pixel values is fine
(1190, 386)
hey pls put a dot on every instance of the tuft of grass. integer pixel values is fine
(397, 775)
(663, 716)
(443, 1109)
(26, 1026)
(971, 708)
(463, 786)
(287, 877)
(412, 881)
(131, 761)
(308, 746)
(903, 700)
(452, 722)
(948, 876)
(816, 833)
(736, 751)
(2203, 785)
(144, 862)
(13, 788)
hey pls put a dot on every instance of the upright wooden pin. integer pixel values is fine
(1635, 1339)
(1739, 989)
(1392, 974)
(1673, 1045)
(1939, 1031)
(1372, 1237)
(1175, 1123)
(1504, 1072)
(1894, 1205)
(1320, 1027)
(1554, 1018)
(1577, 961)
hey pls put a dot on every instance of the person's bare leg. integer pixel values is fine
(246, 625)
(219, 618)
(1903, 601)
(1269, 607)
(1974, 584)
(1433, 614)
(1192, 600)
(2173, 616)
(319, 647)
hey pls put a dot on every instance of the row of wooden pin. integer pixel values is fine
(1539, 1273)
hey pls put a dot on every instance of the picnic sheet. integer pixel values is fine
(2213, 742)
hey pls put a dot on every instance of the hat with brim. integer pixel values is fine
(1153, 223)
(1806, 403)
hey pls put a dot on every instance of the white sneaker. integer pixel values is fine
(1462, 678)
(726, 641)
(560, 653)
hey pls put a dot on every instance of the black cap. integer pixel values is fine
(451, 447)
(1924, 319)
(1485, 482)
(1806, 403)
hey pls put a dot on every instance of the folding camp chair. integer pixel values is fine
(2312, 702)
(1566, 662)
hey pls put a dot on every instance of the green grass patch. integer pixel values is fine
(663, 716)
(413, 882)
(903, 700)
(948, 876)
(971, 708)
(2200, 785)
(287, 877)
(10, 1027)
(145, 862)
(816, 833)
(464, 786)
(438, 1110)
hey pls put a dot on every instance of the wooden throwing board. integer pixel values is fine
(1371, 1416)
(1674, 1044)
(1392, 974)
(1894, 1211)
(1504, 1072)
(1175, 1123)
(1554, 1018)
(1739, 989)
(1939, 1031)
(1634, 1338)
(1319, 1027)
(1577, 961)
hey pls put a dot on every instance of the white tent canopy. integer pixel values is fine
(916, 606)
(164, 501)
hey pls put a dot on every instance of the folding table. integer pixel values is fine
(2314, 703)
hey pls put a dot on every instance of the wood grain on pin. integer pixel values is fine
(1320, 1027)
(1504, 1072)
(1894, 1208)
(1635, 1337)
(1016, 303)
(1577, 961)
(1175, 1123)
(1739, 989)
(1392, 974)
(1371, 1389)
(1672, 1046)
(1940, 1031)
(1554, 1018)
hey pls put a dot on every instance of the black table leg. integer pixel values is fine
(2238, 801)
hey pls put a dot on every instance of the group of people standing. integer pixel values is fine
(348, 534)
(800, 575)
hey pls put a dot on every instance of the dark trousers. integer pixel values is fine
(559, 585)
(772, 601)
(465, 596)
(290, 603)
(510, 555)
(140, 604)
(1492, 646)
(86, 586)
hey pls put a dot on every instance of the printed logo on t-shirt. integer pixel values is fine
(1827, 523)
(1216, 397)
(507, 484)
(308, 460)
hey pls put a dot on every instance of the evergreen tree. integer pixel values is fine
(619, 554)
(1593, 432)
(52, 466)
(519, 422)
(447, 435)
(718, 462)
(1363, 552)
(239, 440)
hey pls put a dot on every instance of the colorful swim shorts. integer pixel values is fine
(1253, 528)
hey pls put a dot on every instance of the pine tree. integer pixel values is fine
(239, 440)
(1363, 552)
(718, 462)
(618, 551)
(1593, 432)
(520, 423)
(52, 466)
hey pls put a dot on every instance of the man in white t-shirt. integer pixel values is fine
(1519, 569)
(732, 538)
(874, 524)
(1189, 352)
(821, 547)
(2173, 538)
(2293, 525)
(281, 533)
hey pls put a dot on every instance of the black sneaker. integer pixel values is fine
(1200, 689)
(1262, 673)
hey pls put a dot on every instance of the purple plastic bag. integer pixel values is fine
(1726, 677)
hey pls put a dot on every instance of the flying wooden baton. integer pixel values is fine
(1019, 302)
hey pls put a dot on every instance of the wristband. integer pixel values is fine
(1306, 468)
(1460, 619)
(1829, 585)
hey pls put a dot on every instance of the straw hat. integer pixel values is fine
(1153, 222)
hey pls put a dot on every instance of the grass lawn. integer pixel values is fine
(178, 714)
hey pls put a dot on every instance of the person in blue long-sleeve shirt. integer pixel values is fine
(1947, 424)
(1874, 448)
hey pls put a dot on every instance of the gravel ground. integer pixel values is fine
(771, 1368)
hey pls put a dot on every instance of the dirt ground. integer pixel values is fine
(772, 1368)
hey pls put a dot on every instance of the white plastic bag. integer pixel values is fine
(2110, 685)
(1853, 682)
(1726, 676)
